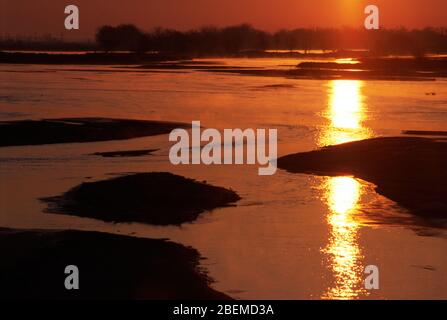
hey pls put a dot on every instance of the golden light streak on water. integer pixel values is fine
(346, 113)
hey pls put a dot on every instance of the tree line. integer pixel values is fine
(243, 38)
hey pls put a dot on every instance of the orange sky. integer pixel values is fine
(37, 17)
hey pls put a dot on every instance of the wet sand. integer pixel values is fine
(70, 130)
(110, 267)
(410, 171)
(158, 198)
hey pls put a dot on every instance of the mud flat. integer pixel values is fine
(92, 58)
(410, 171)
(70, 130)
(125, 154)
(377, 68)
(158, 198)
(392, 69)
(425, 133)
(339, 74)
(110, 267)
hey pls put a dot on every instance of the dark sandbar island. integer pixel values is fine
(158, 198)
(71, 130)
(125, 153)
(411, 171)
(110, 267)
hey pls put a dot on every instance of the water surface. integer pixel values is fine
(291, 236)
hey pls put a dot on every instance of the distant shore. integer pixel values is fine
(93, 58)
(360, 66)
(103, 58)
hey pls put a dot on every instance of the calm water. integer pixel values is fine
(292, 236)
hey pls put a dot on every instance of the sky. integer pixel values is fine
(39, 17)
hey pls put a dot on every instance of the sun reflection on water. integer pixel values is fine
(343, 250)
(346, 113)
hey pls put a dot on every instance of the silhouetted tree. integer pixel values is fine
(123, 37)
(107, 39)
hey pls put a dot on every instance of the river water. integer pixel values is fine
(292, 236)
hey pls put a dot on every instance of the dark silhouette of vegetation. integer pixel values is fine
(244, 39)
(125, 37)
(45, 43)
